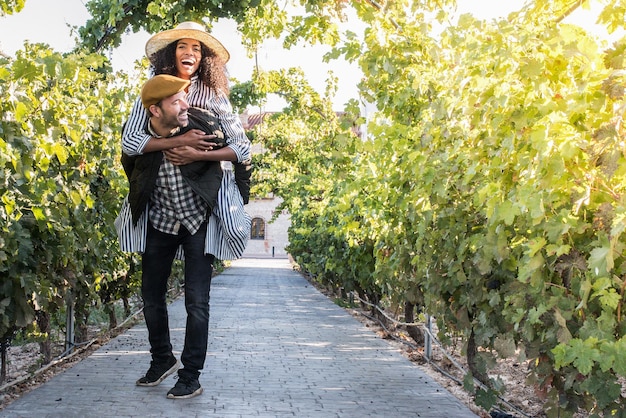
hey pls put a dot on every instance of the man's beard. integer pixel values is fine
(174, 122)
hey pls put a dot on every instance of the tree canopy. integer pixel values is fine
(488, 187)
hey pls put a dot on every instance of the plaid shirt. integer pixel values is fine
(173, 202)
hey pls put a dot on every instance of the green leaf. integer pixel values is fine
(468, 383)
(600, 260)
(39, 213)
(535, 246)
(585, 354)
(21, 112)
(60, 152)
(486, 398)
(616, 353)
(507, 212)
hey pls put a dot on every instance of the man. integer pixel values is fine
(177, 191)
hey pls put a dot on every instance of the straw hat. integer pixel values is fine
(160, 87)
(191, 30)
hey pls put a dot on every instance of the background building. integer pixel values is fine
(267, 238)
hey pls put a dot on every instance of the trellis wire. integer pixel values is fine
(428, 349)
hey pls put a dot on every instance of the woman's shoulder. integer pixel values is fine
(200, 94)
(208, 99)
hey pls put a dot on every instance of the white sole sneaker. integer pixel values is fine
(160, 379)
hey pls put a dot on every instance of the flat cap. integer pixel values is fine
(159, 87)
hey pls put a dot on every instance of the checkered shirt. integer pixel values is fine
(173, 202)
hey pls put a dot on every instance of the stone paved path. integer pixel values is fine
(277, 348)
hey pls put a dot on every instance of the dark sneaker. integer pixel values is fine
(185, 388)
(158, 372)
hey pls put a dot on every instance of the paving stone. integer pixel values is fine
(277, 348)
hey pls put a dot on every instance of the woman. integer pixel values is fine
(191, 53)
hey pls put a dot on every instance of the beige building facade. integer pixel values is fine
(268, 236)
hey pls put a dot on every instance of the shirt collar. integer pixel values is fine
(192, 83)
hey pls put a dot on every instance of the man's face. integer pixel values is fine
(188, 56)
(174, 111)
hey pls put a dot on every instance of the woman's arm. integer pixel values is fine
(136, 140)
(233, 129)
(194, 138)
(134, 136)
(186, 155)
(200, 95)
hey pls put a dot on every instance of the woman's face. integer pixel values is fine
(188, 56)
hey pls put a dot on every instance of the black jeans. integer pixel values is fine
(156, 268)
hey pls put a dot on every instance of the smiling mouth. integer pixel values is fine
(188, 62)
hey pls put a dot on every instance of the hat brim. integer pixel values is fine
(163, 39)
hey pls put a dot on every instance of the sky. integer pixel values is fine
(47, 22)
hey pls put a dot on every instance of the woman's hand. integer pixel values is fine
(197, 139)
(210, 151)
(183, 155)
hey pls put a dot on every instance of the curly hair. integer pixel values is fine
(212, 70)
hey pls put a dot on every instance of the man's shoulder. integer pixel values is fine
(202, 116)
(206, 121)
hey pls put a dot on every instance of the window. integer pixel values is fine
(257, 231)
